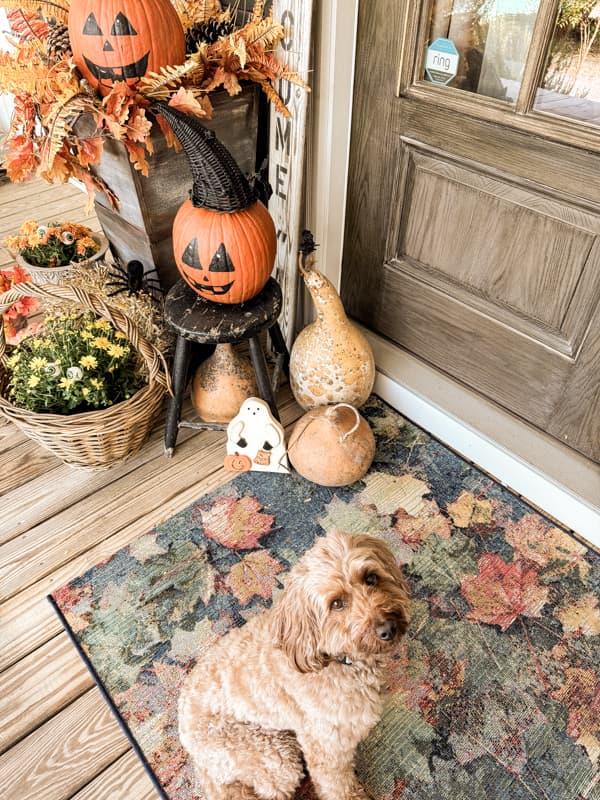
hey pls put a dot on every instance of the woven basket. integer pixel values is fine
(93, 439)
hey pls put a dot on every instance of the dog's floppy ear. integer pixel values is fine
(295, 626)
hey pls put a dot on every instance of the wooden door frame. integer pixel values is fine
(550, 475)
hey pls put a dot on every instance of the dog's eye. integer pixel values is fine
(370, 579)
(336, 604)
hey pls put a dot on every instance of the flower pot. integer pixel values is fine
(56, 275)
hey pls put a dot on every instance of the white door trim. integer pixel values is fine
(332, 84)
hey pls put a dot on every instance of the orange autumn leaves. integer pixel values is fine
(238, 524)
(53, 104)
(499, 593)
(254, 575)
(502, 591)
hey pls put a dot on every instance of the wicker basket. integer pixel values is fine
(93, 439)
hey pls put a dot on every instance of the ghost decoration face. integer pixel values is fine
(121, 40)
(224, 257)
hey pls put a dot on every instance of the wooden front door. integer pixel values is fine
(473, 224)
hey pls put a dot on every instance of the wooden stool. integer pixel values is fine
(196, 320)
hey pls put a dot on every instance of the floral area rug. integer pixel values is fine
(495, 692)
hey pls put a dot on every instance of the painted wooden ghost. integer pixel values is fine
(255, 440)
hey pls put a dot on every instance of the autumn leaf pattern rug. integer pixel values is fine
(494, 694)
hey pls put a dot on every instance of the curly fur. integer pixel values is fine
(301, 683)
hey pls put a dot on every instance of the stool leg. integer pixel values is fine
(262, 375)
(280, 346)
(180, 366)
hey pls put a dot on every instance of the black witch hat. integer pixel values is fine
(218, 182)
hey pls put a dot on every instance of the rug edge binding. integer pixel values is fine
(115, 711)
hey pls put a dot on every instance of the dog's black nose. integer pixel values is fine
(386, 631)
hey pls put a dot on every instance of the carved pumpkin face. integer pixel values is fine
(226, 258)
(121, 40)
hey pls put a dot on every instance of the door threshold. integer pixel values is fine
(555, 479)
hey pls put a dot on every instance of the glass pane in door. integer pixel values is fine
(571, 84)
(490, 38)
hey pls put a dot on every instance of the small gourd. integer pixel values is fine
(331, 361)
(123, 40)
(332, 445)
(221, 384)
(224, 239)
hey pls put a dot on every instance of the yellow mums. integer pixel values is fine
(78, 363)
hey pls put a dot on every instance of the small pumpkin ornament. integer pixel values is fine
(122, 40)
(332, 445)
(331, 361)
(221, 384)
(224, 239)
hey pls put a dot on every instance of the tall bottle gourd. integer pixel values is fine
(331, 360)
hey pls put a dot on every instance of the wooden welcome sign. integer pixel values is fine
(286, 153)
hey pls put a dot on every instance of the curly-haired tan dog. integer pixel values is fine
(304, 679)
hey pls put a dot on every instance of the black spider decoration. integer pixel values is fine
(133, 280)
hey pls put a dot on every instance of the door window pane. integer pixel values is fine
(571, 85)
(491, 37)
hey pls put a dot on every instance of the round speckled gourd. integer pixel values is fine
(332, 445)
(221, 384)
(331, 361)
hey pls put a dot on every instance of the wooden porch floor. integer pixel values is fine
(58, 739)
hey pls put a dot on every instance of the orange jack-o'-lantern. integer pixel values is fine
(122, 40)
(226, 258)
(224, 239)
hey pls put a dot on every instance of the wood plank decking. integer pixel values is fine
(58, 739)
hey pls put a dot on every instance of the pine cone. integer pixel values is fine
(209, 32)
(58, 42)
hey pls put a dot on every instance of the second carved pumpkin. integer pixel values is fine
(226, 258)
(122, 40)
(224, 239)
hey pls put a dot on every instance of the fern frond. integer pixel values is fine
(49, 8)
(269, 90)
(59, 123)
(265, 33)
(27, 25)
(205, 9)
(269, 67)
(192, 11)
(158, 85)
(22, 71)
